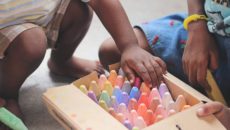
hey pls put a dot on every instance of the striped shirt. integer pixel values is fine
(39, 12)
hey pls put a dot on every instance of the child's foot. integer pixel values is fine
(75, 67)
(13, 106)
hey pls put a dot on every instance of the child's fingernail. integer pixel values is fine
(150, 85)
(131, 81)
(200, 111)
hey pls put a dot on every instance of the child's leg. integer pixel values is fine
(109, 53)
(23, 56)
(74, 26)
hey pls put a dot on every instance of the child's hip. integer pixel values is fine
(8, 34)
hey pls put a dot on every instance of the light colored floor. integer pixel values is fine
(36, 115)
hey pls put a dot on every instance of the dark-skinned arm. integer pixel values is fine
(134, 60)
(200, 52)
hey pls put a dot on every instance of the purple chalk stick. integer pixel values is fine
(92, 96)
(163, 89)
(125, 98)
(128, 125)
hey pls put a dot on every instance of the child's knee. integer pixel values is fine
(106, 47)
(109, 53)
(31, 45)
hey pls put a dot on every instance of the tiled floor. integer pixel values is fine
(36, 115)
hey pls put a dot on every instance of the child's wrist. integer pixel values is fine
(197, 26)
(194, 18)
(128, 46)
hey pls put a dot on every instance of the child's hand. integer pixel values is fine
(135, 60)
(200, 53)
(219, 110)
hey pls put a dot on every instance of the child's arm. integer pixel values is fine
(133, 58)
(219, 110)
(200, 52)
(195, 7)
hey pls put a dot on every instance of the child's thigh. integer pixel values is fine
(25, 39)
(76, 13)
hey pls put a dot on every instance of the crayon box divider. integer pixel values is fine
(72, 97)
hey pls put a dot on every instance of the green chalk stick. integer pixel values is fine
(135, 128)
(10, 120)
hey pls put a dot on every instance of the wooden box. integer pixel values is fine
(75, 111)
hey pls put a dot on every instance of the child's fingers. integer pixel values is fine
(185, 63)
(161, 63)
(213, 61)
(152, 73)
(129, 73)
(142, 72)
(201, 77)
(158, 70)
(221, 112)
(192, 72)
(210, 108)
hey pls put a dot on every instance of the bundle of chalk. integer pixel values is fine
(136, 106)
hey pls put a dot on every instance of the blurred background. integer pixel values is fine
(138, 11)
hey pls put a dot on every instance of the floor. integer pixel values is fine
(36, 115)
